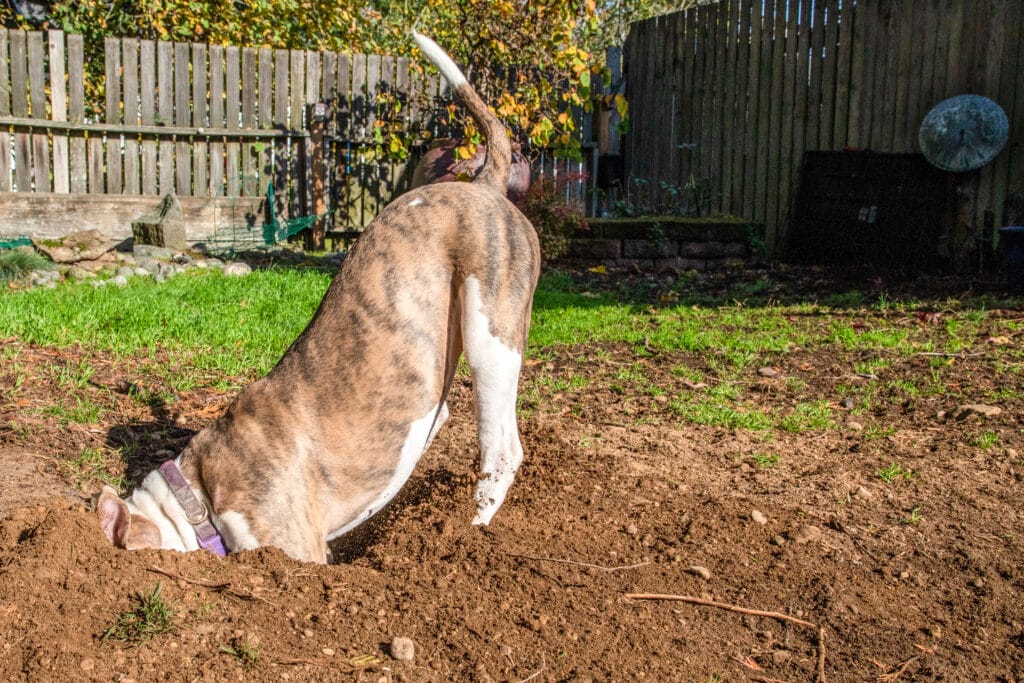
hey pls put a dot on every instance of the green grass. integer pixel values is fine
(150, 615)
(228, 325)
(247, 654)
(16, 264)
(807, 417)
(894, 472)
(88, 467)
(986, 440)
(83, 412)
(765, 460)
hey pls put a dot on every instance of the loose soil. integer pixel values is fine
(917, 579)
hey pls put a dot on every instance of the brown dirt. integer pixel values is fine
(616, 496)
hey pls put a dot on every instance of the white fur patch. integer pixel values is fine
(415, 444)
(495, 368)
(154, 500)
(416, 202)
(234, 529)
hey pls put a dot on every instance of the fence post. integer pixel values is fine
(316, 115)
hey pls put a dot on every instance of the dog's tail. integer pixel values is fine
(495, 170)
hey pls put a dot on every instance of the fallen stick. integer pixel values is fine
(821, 678)
(580, 564)
(887, 678)
(536, 673)
(209, 585)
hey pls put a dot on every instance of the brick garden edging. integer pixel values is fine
(666, 243)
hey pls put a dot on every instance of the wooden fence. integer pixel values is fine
(732, 94)
(208, 122)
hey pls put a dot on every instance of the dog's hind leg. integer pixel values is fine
(494, 364)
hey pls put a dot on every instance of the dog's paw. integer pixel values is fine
(484, 514)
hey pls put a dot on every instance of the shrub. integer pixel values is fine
(554, 215)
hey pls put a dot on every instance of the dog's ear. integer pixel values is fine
(124, 529)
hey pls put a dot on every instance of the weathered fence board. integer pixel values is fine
(762, 81)
(5, 110)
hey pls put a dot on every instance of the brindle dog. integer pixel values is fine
(332, 433)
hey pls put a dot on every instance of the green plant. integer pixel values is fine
(245, 652)
(149, 616)
(807, 417)
(915, 516)
(894, 472)
(90, 466)
(84, 412)
(554, 219)
(986, 439)
(17, 263)
(765, 460)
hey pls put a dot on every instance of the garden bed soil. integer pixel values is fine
(917, 579)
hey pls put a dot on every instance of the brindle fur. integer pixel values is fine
(313, 443)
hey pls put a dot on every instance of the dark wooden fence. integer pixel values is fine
(212, 123)
(732, 94)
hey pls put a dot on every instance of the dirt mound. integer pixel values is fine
(919, 575)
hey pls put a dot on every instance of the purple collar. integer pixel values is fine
(196, 511)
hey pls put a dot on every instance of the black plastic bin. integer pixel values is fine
(1011, 243)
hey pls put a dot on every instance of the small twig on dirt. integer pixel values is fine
(195, 582)
(821, 678)
(888, 678)
(748, 662)
(218, 587)
(581, 564)
(294, 662)
(538, 672)
(762, 679)
(949, 355)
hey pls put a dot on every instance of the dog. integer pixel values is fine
(332, 433)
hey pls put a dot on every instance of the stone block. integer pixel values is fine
(162, 227)
(649, 249)
(595, 248)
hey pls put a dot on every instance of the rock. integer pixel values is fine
(847, 403)
(758, 517)
(780, 657)
(632, 530)
(83, 245)
(807, 533)
(214, 263)
(237, 269)
(967, 410)
(328, 651)
(403, 649)
(768, 372)
(150, 251)
(79, 274)
(862, 494)
(148, 265)
(778, 540)
(140, 271)
(119, 281)
(700, 571)
(87, 664)
(1011, 453)
(164, 226)
(855, 426)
